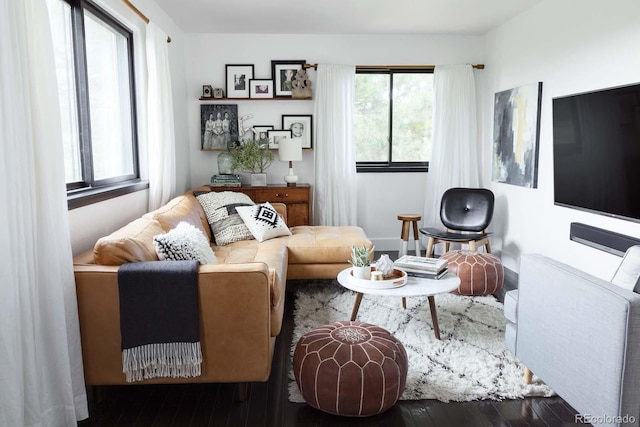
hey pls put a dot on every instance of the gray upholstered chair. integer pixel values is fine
(580, 334)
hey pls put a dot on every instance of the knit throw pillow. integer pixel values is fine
(226, 224)
(263, 221)
(185, 242)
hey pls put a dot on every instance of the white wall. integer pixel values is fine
(92, 222)
(571, 46)
(382, 196)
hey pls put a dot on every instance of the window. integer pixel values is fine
(94, 69)
(392, 123)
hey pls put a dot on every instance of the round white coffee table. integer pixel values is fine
(415, 287)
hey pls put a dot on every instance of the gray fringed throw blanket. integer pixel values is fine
(159, 319)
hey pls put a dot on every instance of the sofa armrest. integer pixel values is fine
(235, 322)
(580, 335)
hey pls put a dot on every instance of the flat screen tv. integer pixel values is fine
(596, 151)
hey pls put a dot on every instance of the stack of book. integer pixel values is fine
(428, 268)
(226, 181)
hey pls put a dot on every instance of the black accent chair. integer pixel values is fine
(466, 212)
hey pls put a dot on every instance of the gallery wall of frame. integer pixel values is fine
(226, 119)
(241, 83)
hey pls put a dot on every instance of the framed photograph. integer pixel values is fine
(219, 126)
(260, 88)
(237, 77)
(207, 91)
(301, 126)
(275, 136)
(282, 73)
(261, 132)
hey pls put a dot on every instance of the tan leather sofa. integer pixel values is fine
(241, 297)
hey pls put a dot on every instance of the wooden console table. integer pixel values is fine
(297, 199)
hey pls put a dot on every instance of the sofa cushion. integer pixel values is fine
(131, 243)
(324, 244)
(263, 221)
(269, 252)
(178, 209)
(226, 224)
(185, 242)
(627, 275)
(237, 252)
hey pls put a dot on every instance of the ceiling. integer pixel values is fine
(468, 17)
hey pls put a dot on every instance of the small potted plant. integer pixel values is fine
(361, 261)
(254, 157)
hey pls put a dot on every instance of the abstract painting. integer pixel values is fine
(516, 134)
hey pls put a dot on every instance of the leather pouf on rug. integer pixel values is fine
(470, 362)
(350, 368)
(479, 273)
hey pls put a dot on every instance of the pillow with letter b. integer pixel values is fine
(263, 221)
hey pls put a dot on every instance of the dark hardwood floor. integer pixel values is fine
(200, 405)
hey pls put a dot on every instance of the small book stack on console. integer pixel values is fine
(427, 268)
(226, 181)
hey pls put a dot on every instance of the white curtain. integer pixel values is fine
(41, 374)
(454, 156)
(334, 198)
(160, 131)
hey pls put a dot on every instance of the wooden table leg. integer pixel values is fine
(356, 306)
(434, 317)
(404, 303)
(528, 376)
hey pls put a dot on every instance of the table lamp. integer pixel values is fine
(290, 150)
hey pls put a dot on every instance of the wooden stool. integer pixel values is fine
(407, 220)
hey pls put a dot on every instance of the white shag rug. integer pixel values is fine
(470, 362)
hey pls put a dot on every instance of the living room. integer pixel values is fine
(580, 49)
(571, 46)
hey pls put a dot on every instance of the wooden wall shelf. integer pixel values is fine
(255, 99)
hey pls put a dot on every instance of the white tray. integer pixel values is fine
(398, 278)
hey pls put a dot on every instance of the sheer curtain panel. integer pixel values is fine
(454, 157)
(41, 374)
(334, 197)
(162, 146)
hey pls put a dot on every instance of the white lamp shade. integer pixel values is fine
(290, 149)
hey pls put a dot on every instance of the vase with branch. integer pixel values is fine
(253, 157)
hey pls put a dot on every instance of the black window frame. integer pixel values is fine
(89, 190)
(391, 166)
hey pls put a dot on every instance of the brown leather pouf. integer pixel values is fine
(479, 273)
(350, 368)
